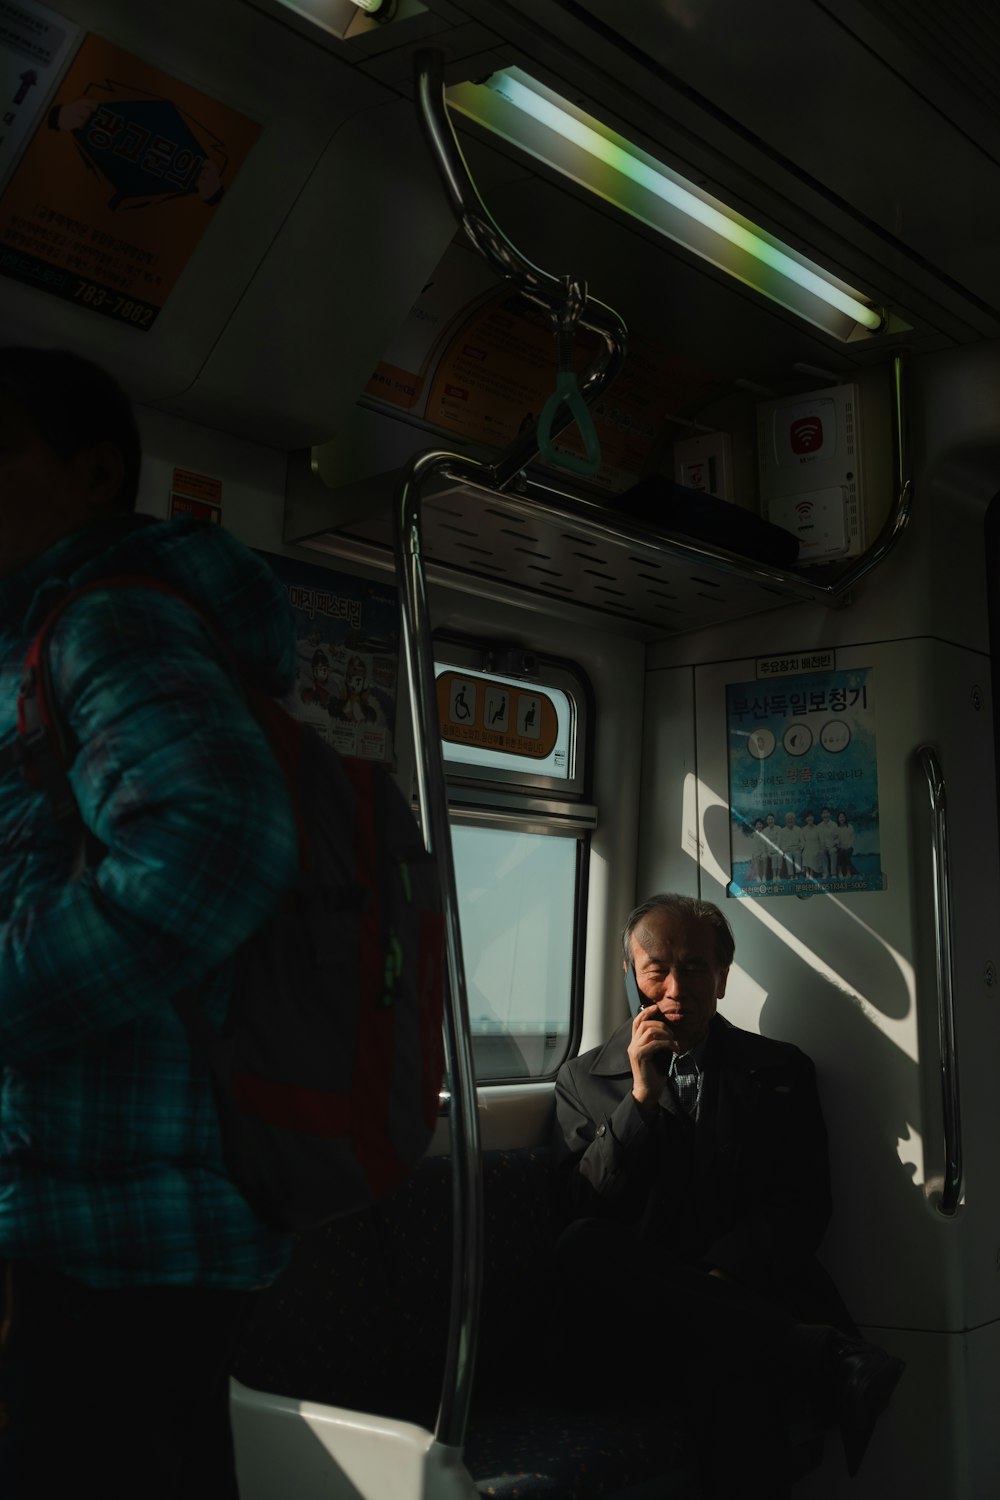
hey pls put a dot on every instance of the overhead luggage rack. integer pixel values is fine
(570, 553)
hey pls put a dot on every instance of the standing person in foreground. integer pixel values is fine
(692, 1160)
(131, 1260)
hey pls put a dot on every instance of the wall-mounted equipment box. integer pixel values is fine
(810, 471)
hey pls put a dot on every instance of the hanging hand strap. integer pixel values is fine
(567, 392)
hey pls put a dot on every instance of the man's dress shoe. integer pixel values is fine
(865, 1377)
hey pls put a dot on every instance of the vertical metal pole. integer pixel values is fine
(467, 1189)
(951, 1192)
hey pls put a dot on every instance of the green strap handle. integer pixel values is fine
(568, 391)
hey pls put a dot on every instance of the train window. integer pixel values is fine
(514, 732)
(517, 899)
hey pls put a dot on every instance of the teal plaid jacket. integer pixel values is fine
(111, 1167)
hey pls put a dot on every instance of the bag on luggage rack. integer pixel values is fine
(656, 501)
(328, 1068)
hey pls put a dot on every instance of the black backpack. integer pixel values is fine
(328, 1069)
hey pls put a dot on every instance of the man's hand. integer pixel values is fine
(649, 1054)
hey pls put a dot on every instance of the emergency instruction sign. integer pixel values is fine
(803, 785)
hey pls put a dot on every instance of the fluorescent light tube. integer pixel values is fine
(346, 19)
(524, 112)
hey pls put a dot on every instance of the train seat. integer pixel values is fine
(359, 1320)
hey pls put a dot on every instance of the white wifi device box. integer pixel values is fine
(809, 450)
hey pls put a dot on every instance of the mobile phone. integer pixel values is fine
(637, 1001)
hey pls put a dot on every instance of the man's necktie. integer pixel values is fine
(685, 1078)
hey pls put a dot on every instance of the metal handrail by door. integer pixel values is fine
(943, 947)
(467, 1192)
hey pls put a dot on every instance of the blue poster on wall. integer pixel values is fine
(347, 645)
(803, 785)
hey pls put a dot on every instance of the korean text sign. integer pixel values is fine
(118, 184)
(347, 657)
(803, 785)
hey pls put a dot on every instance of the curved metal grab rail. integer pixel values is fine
(951, 1103)
(551, 293)
(467, 1192)
(899, 515)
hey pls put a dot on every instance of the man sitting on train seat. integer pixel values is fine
(692, 1161)
(132, 1261)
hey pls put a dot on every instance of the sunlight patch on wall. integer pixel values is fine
(910, 1150)
(752, 996)
(689, 819)
(901, 1031)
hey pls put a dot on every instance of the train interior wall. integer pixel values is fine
(851, 979)
(272, 331)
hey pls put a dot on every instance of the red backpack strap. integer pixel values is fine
(43, 749)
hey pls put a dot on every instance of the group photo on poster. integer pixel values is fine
(347, 645)
(803, 785)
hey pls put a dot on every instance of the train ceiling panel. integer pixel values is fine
(237, 58)
(952, 53)
(317, 249)
(824, 128)
(818, 119)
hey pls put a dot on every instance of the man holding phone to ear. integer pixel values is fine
(695, 1152)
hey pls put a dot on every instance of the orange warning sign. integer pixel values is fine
(494, 716)
(198, 495)
(118, 184)
(495, 375)
(394, 385)
(197, 486)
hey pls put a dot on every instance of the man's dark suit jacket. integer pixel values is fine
(746, 1190)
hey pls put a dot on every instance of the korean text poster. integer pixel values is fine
(803, 785)
(121, 178)
(347, 657)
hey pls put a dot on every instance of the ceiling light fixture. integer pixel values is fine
(533, 117)
(348, 19)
